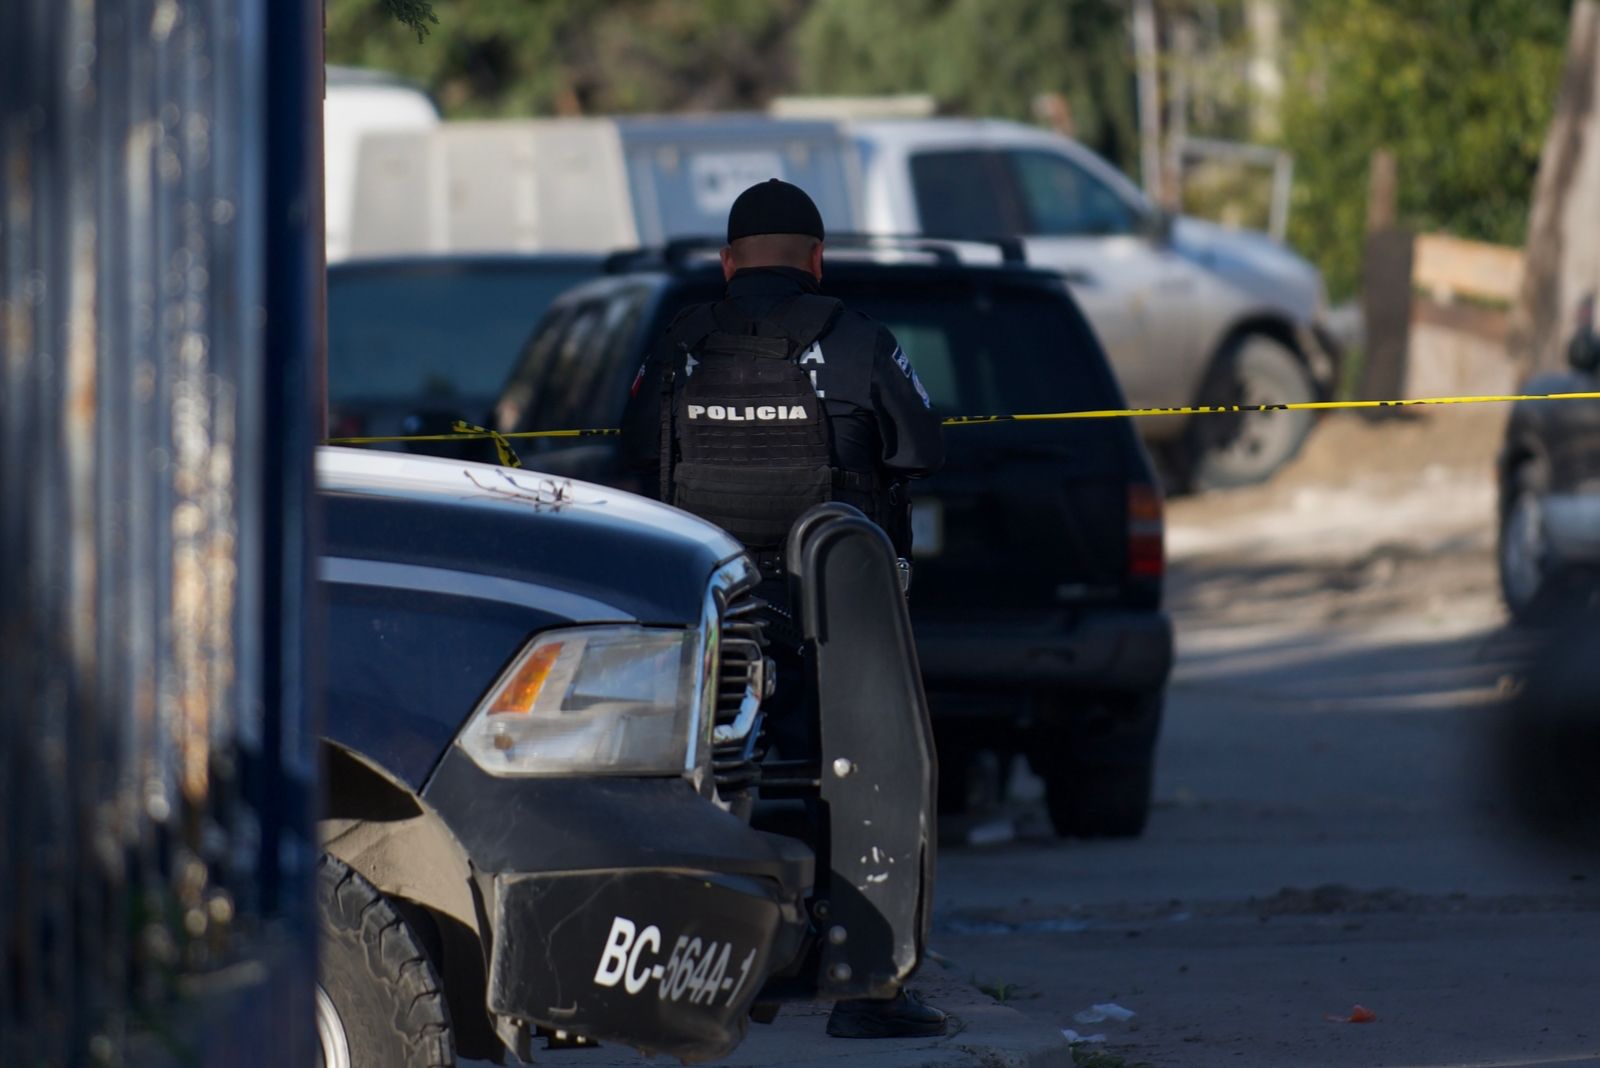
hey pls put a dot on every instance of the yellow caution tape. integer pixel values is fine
(464, 431)
(471, 431)
(1299, 406)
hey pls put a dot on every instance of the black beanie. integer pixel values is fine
(773, 207)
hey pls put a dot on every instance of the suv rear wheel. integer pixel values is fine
(380, 1003)
(1224, 451)
(1099, 802)
(1100, 786)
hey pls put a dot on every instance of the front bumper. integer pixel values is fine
(666, 961)
(631, 910)
(1117, 650)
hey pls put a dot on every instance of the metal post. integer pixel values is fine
(1145, 52)
(1282, 191)
(1183, 38)
(156, 771)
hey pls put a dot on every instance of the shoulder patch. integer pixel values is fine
(902, 361)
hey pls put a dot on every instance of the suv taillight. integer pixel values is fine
(1146, 552)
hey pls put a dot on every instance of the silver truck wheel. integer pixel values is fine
(1240, 450)
(380, 1003)
(331, 1037)
(1524, 554)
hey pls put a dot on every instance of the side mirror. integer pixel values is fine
(1158, 227)
(1583, 351)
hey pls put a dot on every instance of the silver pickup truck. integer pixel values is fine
(1189, 312)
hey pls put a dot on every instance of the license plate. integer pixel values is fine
(927, 528)
(696, 971)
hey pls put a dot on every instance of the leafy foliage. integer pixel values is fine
(1460, 90)
(416, 14)
(525, 57)
(531, 57)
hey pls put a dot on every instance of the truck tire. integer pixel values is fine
(1098, 802)
(1224, 451)
(1522, 550)
(380, 1003)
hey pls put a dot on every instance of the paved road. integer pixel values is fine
(1328, 830)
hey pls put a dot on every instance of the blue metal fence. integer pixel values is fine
(156, 274)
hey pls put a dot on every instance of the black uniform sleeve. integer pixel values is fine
(641, 419)
(913, 439)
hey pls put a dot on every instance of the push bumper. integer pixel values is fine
(624, 909)
(1114, 650)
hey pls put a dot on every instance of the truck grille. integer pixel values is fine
(742, 681)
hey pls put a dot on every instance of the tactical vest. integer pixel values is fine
(745, 442)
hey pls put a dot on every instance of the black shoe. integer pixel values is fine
(902, 1016)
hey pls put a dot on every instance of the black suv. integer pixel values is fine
(1039, 546)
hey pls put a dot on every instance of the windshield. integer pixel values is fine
(1005, 352)
(435, 332)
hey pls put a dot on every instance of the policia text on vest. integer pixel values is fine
(766, 413)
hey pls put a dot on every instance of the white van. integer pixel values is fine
(358, 103)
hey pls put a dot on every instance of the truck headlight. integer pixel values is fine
(590, 701)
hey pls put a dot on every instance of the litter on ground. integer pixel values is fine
(1106, 1010)
(1358, 1014)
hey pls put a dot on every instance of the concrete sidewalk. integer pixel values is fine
(982, 1033)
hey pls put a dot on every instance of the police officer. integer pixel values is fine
(797, 399)
(757, 407)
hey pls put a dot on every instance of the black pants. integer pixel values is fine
(791, 711)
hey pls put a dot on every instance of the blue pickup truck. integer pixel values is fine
(542, 737)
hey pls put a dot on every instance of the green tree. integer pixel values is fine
(981, 57)
(533, 57)
(529, 57)
(417, 14)
(1460, 90)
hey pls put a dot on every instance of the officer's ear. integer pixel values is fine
(816, 260)
(728, 266)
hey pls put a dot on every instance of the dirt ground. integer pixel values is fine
(1377, 526)
(1329, 827)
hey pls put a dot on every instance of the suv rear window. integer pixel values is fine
(569, 368)
(425, 333)
(1001, 352)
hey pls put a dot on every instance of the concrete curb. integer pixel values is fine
(983, 1033)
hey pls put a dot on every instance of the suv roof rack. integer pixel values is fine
(1012, 250)
(676, 252)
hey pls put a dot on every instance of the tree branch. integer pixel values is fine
(416, 14)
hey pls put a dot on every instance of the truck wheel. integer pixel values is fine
(1224, 451)
(1523, 552)
(380, 1003)
(1098, 802)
